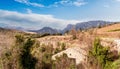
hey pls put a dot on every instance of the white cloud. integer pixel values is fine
(27, 2)
(77, 3)
(34, 21)
(29, 11)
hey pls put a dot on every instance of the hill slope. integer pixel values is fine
(46, 30)
(112, 30)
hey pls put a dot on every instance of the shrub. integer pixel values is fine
(45, 34)
(19, 39)
(42, 49)
(18, 56)
(46, 61)
(26, 59)
(63, 46)
(63, 62)
(73, 33)
(100, 57)
(56, 50)
(35, 36)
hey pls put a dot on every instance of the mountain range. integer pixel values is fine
(45, 30)
(7, 26)
(77, 26)
(87, 25)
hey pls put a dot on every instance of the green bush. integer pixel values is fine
(19, 56)
(19, 39)
(63, 46)
(47, 61)
(26, 59)
(101, 56)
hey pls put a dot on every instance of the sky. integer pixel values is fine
(36, 14)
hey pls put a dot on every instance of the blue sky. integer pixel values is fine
(35, 14)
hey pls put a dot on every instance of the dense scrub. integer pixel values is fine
(24, 55)
(19, 57)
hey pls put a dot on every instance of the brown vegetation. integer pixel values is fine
(108, 31)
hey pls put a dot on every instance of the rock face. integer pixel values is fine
(113, 43)
(87, 25)
(75, 52)
(117, 45)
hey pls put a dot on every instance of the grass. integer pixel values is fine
(114, 30)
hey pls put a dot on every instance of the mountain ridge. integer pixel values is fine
(77, 26)
(86, 25)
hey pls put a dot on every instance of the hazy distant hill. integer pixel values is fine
(46, 30)
(6, 26)
(4, 29)
(86, 25)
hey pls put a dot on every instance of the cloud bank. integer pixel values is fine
(33, 20)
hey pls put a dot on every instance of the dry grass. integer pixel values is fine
(108, 31)
(7, 39)
(110, 27)
(6, 42)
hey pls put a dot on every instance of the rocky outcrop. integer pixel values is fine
(75, 52)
